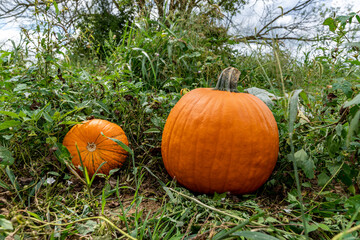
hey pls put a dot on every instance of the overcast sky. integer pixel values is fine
(249, 16)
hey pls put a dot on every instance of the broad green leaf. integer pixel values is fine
(10, 114)
(353, 127)
(293, 109)
(322, 179)
(312, 227)
(308, 168)
(305, 163)
(8, 124)
(5, 225)
(331, 23)
(6, 156)
(301, 155)
(355, 100)
(86, 228)
(254, 235)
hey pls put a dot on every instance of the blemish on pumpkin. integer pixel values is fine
(91, 147)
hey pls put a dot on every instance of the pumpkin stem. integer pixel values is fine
(91, 147)
(228, 80)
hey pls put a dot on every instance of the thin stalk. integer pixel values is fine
(207, 206)
(238, 227)
(298, 187)
(293, 110)
(77, 221)
(280, 70)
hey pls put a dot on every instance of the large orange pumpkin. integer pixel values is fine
(94, 148)
(220, 140)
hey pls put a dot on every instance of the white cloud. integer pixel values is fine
(351, 5)
(9, 31)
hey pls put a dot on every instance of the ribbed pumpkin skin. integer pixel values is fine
(86, 135)
(219, 141)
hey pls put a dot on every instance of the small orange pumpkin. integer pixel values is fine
(220, 140)
(94, 148)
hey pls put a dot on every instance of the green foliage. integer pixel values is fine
(102, 27)
(135, 84)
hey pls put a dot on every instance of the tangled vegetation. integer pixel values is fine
(313, 192)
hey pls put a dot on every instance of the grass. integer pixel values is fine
(135, 86)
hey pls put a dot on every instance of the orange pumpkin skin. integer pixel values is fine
(219, 141)
(95, 148)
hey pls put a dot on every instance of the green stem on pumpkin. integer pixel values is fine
(228, 80)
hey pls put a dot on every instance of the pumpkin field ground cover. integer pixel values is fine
(135, 86)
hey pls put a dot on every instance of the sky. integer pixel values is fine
(250, 16)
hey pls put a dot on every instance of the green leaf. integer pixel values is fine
(353, 127)
(6, 156)
(5, 225)
(301, 155)
(339, 129)
(8, 124)
(324, 227)
(312, 227)
(10, 114)
(56, 8)
(355, 100)
(344, 86)
(47, 117)
(34, 215)
(219, 197)
(20, 87)
(293, 109)
(322, 179)
(11, 176)
(152, 130)
(112, 171)
(121, 144)
(86, 228)
(51, 140)
(331, 23)
(254, 235)
(353, 202)
(304, 97)
(344, 19)
(305, 163)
